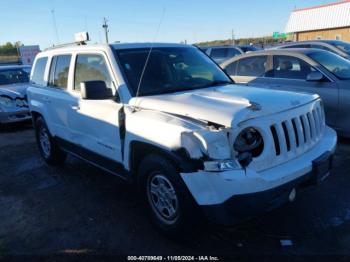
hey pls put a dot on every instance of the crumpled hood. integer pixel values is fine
(226, 105)
(15, 90)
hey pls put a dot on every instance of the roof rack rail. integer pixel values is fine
(80, 39)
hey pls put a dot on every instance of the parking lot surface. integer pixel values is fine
(79, 209)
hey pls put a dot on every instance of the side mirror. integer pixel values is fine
(314, 77)
(95, 90)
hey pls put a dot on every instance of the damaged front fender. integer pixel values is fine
(212, 144)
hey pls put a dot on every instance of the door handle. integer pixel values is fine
(75, 108)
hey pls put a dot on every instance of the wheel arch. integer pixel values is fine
(35, 116)
(179, 157)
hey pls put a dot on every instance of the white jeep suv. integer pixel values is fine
(169, 119)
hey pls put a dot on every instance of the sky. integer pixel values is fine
(55, 22)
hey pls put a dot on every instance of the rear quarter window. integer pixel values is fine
(39, 72)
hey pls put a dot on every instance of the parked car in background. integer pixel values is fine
(300, 70)
(167, 118)
(14, 81)
(335, 46)
(222, 53)
(248, 48)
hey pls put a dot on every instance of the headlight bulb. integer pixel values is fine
(249, 144)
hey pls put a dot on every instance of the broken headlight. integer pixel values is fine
(19, 102)
(249, 144)
(6, 101)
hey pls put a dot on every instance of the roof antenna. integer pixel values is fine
(55, 26)
(149, 52)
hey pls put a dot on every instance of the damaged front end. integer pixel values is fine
(213, 147)
(222, 150)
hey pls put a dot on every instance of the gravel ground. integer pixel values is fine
(80, 210)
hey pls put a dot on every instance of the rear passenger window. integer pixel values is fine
(91, 68)
(252, 66)
(59, 71)
(291, 68)
(39, 72)
(217, 53)
(233, 52)
(231, 68)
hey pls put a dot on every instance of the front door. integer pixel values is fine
(95, 123)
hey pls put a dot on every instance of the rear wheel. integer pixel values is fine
(171, 206)
(48, 148)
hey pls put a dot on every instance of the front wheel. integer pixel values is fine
(170, 204)
(48, 148)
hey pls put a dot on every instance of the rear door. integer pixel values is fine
(249, 70)
(57, 98)
(290, 73)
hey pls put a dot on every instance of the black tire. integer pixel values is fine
(48, 148)
(152, 168)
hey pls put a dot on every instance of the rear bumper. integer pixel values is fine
(228, 197)
(14, 116)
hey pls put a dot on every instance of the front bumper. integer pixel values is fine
(13, 116)
(227, 197)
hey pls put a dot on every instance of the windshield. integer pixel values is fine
(169, 69)
(336, 64)
(14, 76)
(345, 47)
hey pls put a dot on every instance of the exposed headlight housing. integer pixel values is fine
(19, 102)
(6, 101)
(249, 144)
(212, 144)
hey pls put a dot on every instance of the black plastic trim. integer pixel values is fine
(93, 158)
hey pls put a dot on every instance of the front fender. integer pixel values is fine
(155, 129)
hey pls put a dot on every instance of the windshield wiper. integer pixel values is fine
(167, 90)
(183, 88)
(218, 83)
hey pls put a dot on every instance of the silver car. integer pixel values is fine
(335, 46)
(300, 70)
(14, 81)
(222, 53)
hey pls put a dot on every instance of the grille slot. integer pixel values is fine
(299, 132)
(286, 135)
(295, 129)
(275, 139)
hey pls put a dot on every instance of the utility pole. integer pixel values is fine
(233, 37)
(105, 27)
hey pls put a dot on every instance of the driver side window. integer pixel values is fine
(90, 67)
